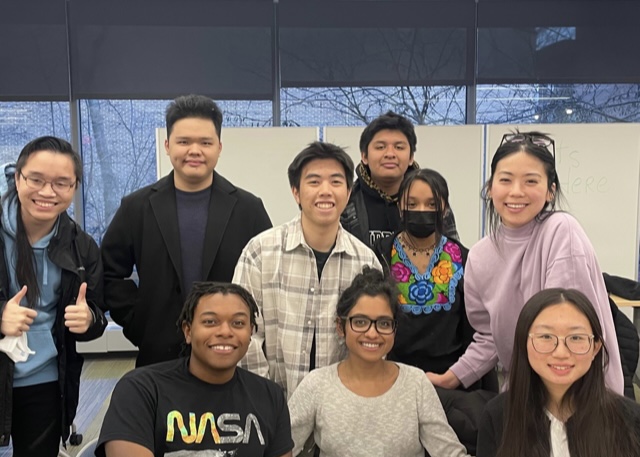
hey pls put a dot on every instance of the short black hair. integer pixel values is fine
(315, 151)
(372, 283)
(197, 106)
(52, 144)
(389, 121)
(205, 288)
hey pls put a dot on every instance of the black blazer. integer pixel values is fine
(144, 233)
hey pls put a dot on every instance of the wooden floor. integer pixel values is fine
(99, 377)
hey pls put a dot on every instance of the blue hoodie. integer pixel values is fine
(42, 366)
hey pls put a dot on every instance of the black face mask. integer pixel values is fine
(420, 224)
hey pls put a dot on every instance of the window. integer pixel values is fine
(557, 103)
(353, 106)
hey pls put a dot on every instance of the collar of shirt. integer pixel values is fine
(295, 239)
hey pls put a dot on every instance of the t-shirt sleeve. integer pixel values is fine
(481, 355)
(282, 442)
(131, 415)
(302, 407)
(436, 435)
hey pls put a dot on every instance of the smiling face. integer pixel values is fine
(561, 368)
(193, 148)
(388, 157)
(42, 207)
(323, 194)
(519, 189)
(219, 336)
(370, 346)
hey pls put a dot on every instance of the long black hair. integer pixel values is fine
(25, 261)
(548, 162)
(596, 426)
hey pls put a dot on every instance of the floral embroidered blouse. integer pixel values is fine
(433, 291)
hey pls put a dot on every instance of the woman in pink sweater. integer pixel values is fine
(530, 247)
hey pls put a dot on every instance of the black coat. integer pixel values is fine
(144, 233)
(72, 250)
(626, 332)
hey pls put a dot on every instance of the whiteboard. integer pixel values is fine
(256, 159)
(454, 151)
(599, 170)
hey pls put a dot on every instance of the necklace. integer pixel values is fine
(408, 246)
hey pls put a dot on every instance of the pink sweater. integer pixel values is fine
(500, 279)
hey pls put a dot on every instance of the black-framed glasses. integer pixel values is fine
(362, 324)
(59, 186)
(546, 343)
(537, 140)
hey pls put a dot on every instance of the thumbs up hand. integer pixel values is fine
(16, 319)
(77, 316)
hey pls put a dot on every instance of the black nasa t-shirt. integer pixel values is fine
(166, 409)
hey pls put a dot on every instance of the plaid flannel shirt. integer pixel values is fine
(279, 269)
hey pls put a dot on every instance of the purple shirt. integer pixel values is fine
(500, 277)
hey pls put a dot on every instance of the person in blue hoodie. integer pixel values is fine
(50, 297)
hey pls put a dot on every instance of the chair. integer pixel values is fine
(89, 449)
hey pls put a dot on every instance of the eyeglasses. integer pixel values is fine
(537, 140)
(60, 186)
(362, 324)
(546, 343)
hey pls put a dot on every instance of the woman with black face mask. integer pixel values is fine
(433, 332)
(428, 268)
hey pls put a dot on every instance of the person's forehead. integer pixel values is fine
(194, 126)
(321, 166)
(220, 303)
(390, 134)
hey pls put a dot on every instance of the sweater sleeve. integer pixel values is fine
(481, 355)
(573, 265)
(302, 409)
(436, 435)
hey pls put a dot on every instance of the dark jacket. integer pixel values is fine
(492, 423)
(367, 200)
(628, 343)
(77, 254)
(626, 332)
(144, 233)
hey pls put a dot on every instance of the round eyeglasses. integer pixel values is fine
(362, 324)
(546, 343)
(60, 186)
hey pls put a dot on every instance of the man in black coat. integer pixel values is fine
(387, 148)
(189, 226)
